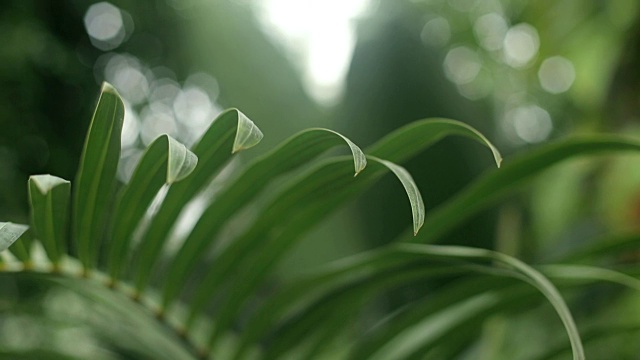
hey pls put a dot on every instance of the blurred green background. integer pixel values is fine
(523, 72)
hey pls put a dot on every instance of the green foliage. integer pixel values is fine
(121, 255)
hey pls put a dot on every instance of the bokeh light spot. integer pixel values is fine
(556, 74)
(130, 128)
(521, 45)
(462, 65)
(531, 123)
(157, 119)
(128, 76)
(436, 32)
(105, 25)
(490, 30)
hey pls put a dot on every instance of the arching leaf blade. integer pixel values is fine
(485, 260)
(497, 184)
(294, 212)
(279, 216)
(303, 191)
(213, 150)
(318, 322)
(165, 161)
(300, 193)
(410, 139)
(529, 274)
(293, 153)
(307, 287)
(415, 198)
(96, 175)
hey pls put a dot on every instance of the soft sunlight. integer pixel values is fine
(318, 36)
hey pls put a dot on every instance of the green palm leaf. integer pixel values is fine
(165, 161)
(295, 152)
(49, 197)
(232, 131)
(96, 175)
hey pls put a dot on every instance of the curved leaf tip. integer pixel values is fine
(46, 182)
(108, 88)
(497, 157)
(464, 129)
(359, 158)
(247, 135)
(181, 161)
(415, 198)
(9, 233)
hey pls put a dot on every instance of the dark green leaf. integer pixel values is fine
(410, 139)
(213, 150)
(165, 161)
(513, 268)
(415, 198)
(497, 184)
(295, 152)
(96, 175)
(49, 197)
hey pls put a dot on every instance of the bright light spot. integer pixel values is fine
(128, 162)
(157, 119)
(490, 30)
(104, 24)
(205, 81)
(195, 110)
(193, 107)
(187, 220)
(128, 76)
(521, 45)
(462, 65)
(436, 32)
(556, 74)
(130, 127)
(319, 36)
(164, 91)
(531, 123)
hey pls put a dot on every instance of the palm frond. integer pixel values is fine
(95, 245)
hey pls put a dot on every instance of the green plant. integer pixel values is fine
(109, 247)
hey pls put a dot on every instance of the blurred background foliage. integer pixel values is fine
(524, 72)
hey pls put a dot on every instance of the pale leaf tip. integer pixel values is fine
(46, 182)
(497, 157)
(108, 88)
(247, 134)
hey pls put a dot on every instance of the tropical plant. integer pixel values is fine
(214, 297)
